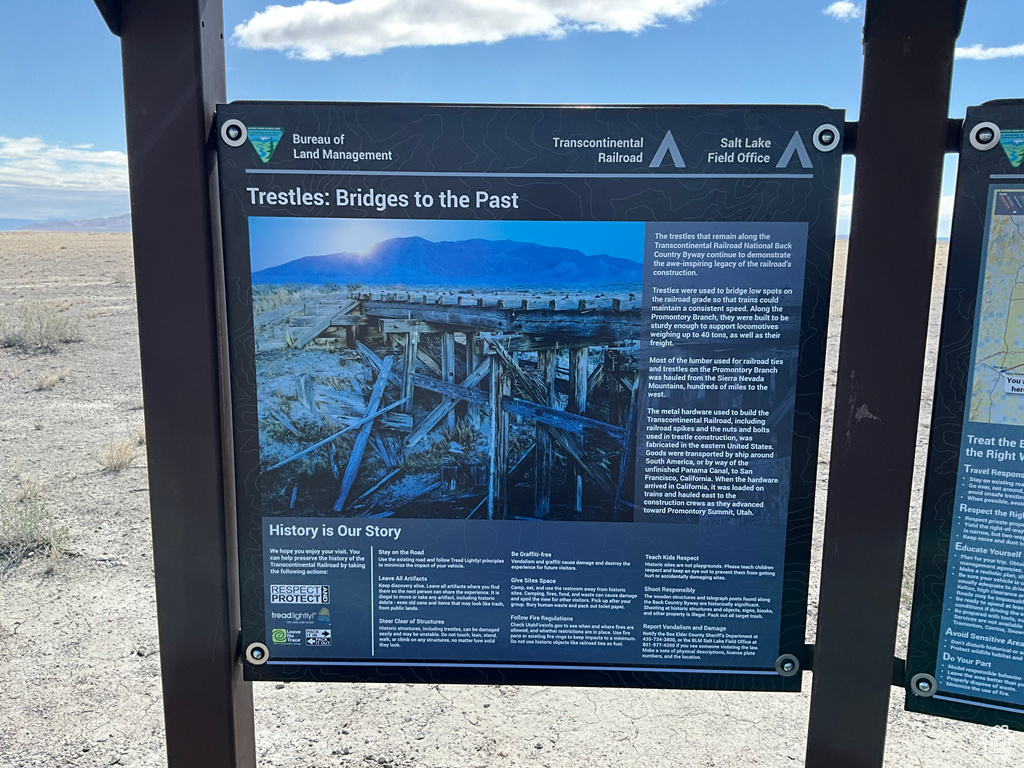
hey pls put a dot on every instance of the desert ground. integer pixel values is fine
(79, 657)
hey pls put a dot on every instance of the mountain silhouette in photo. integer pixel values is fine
(416, 261)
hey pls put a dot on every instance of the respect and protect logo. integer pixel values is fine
(300, 594)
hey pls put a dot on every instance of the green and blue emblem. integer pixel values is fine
(1013, 145)
(265, 141)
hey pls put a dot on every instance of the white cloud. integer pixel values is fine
(844, 10)
(40, 180)
(318, 29)
(981, 53)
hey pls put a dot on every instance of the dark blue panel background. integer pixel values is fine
(458, 141)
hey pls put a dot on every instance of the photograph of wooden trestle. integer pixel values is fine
(475, 405)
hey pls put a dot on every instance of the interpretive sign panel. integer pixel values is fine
(966, 656)
(527, 394)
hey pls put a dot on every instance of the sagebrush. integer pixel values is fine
(39, 326)
(27, 527)
(118, 455)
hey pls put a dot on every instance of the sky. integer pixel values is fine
(62, 142)
(280, 239)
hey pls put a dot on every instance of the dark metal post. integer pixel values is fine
(901, 141)
(173, 61)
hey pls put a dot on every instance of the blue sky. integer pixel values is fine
(62, 124)
(276, 240)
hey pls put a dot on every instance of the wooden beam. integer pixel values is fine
(497, 486)
(596, 378)
(412, 340)
(336, 435)
(458, 391)
(566, 443)
(284, 421)
(516, 342)
(447, 404)
(623, 508)
(364, 436)
(473, 412)
(428, 361)
(381, 482)
(448, 370)
(409, 326)
(481, 318)
(579, 362)
(564, 420)
(377, 363)
(544, 455)
(323, 322)
(591, 325)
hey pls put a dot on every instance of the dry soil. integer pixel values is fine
(79, 658)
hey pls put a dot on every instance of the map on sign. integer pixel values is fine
(997, 391)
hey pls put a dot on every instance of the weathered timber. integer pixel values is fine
(536, 343)
(544, 454)
(324, 322)
(276, 316)
(284, 422)
(362, 422)
(364, 435)
(347, 321)
(447, 404)
(399, 421)
(377, 363)
(379, 483)
(458, 391)
(564, 420)
(628, 382)
(623, 508)
(408, 326)
(567, 443)
(381, 449)
(428, 361)
(482, 318)
(497, 488)
(448, 369)
(472, 409)
(539, 318)
(579, 366)
(348, 399)
(332, 460)
(477, 507)
(412, 340)
(596, 378)
(591, 325)
(449, 478)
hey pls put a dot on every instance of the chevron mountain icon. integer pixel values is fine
(1013, 145)
(265, 141)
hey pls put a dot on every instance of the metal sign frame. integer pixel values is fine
(802, 184)
(983, 167)
(173, 59)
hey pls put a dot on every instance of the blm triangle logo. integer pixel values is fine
(1013, 146)
(265, 141)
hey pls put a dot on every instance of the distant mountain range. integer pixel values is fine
(108, 224)
(415, 261)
